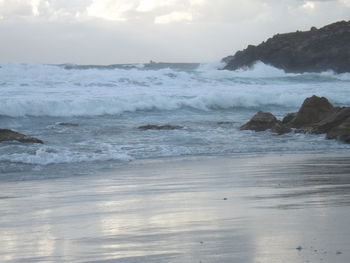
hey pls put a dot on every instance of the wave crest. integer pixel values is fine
(43, 90)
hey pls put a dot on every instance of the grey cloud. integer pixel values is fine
(15, 8)
(219, 28)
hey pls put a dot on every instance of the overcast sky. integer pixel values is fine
(129, 31)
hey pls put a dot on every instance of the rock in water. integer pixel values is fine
(316, 115)
(313, 110)
(160, 127)
(280, 128)
(332, 121)
(289, 117)
(341, 132)
(69, 124)
(316, 50)
(260, 122)
(8, 135)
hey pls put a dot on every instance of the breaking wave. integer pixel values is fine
(44, 90)
(45, 155)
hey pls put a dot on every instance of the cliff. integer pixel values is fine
(327, 48)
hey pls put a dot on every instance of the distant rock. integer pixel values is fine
(225, 122)
(316, 50)
(8, 135)
(69, 124)
(160, 127)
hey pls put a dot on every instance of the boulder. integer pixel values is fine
(289, 117)
(260, 122)
(332, 121)
(280, 128)
(225, 122)
(313, 110)
(9, 135)
(340, 132)
(68, 124)
(316, 116)
(160, 127)
(315, 50)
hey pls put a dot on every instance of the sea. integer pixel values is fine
(89, 115)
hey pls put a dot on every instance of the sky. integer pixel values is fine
(137, 31)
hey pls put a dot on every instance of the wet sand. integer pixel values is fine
(261, 209)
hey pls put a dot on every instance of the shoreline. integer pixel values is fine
(200, 209)
(108, 167)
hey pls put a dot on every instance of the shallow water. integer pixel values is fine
(256, 208)
(106, 104)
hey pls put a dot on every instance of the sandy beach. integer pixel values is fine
(254, 208)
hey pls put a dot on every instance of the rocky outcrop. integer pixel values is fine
(225, 122)
(341, 132)
(333, 120)
(263, 121)
(9, 135)
(313, 110)
(68, 124)
(316, 115)
(316, 50)
(160, 127)
(280, 128)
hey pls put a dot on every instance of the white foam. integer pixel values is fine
(45, 155)
(214, 65)
(43, 90)
(261, 70)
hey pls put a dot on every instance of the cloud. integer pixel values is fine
(155, 11)
(174, 17)
(158, 11)
(118, 31)
(18, 8)
(309, 5)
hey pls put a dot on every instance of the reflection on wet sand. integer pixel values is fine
(204, 209)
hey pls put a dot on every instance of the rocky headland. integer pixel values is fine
(315, 50)
(316, 116)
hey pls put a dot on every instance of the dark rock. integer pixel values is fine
(335, 119)
(71, 124)
(316, 115)
(303, 130)
(280, 128)
(289, 117)
(341, 132)
(316, 50)
(225, 122)
(8, 135)
(260, 122)
(160, 127)
(313, 110)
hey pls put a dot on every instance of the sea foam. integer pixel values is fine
(48, 90)
(45, 155)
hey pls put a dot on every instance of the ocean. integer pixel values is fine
(105, 105)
